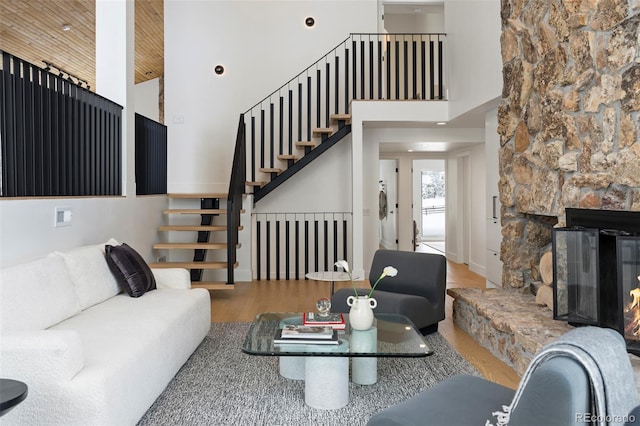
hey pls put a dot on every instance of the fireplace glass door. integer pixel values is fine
(576, 275)
(628, 254)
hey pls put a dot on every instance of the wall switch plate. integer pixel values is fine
(63, 216)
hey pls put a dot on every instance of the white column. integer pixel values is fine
(357, 193)
(115, 55)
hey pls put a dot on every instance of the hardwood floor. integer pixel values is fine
(250, 299)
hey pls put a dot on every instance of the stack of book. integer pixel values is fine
(305, 334)
(333, 320)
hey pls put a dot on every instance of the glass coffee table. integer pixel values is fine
(325, 368)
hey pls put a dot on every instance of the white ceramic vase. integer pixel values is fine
(361, 312)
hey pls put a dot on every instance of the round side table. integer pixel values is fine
(12, 393)
(331, 276)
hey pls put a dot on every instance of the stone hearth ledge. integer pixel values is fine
(510, 324)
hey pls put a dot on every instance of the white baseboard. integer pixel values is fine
(478, 269)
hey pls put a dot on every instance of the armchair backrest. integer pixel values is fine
(420, 274)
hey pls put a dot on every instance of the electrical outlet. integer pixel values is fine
(62, 216)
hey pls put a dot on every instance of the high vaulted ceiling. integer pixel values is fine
(33, 30)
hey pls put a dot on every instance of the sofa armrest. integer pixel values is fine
(41, 356)
(175, 278)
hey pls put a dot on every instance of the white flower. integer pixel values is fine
(389, 271)
(343, 264)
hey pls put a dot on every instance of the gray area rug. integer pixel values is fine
(221, 385)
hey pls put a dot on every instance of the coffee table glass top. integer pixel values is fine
(395, 336)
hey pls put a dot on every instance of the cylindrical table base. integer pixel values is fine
(326, 383)
(292, 367)
(364, 370)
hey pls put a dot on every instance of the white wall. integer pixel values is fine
(261, 44)
(474, 61)
(147, 99)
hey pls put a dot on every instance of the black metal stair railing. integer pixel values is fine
(234, 198)
(362, 67)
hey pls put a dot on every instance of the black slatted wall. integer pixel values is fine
(57, 139)
(151, 156)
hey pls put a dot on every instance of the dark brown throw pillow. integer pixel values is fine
(130, 269)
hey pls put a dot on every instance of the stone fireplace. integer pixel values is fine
(568, 127)
(568, 121)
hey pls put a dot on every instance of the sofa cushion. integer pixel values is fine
(90, 274)
(36, 295)
(130, 269)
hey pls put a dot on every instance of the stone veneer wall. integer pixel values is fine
(568, 121)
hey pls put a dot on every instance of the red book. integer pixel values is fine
(335, 320)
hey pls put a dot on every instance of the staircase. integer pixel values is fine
(210, 236)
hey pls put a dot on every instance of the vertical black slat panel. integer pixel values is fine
(335, 243)
(258, 249)
(48, 171)
(337, 85)
(140, 155)
(262, 141)
(38, 131)
(271, 133)
(362, 69)
(30, 141)
(431, 70)
(55, 141)
(397, 68)
(354, 71)
(440, 78)
(306, 247)
(388, 70)
(119, 151)
(71, 148)
(290, 151)
(380, 60)
(371, 76)
(316, 237)
(296, 241)
(287, 250)
(325, 245)
(414, 70)
(277, 237)
(344, 240)
(327, 97)
(346, 81)
(423, 68)
(21, 163)
(253, 149)
(268, 250)
(405, 79)
(309, 122)
(6, 131)
(64, 149)
(281, 127)
(299, 111)
(318, 97)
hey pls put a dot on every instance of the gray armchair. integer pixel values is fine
(585, 374)
(417, 291)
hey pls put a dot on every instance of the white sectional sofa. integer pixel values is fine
(89, 353)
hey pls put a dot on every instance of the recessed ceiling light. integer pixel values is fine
(409, 150)
(66, 27)
(441, 123)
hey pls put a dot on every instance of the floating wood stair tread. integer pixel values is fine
(287, 157)
(190, 265)
(339, 117)
(258, 183)
(200, 195)
(270, 170)
(209, 285)
(302, 144)
(195, 228)
(190, 246)
(323, 130)
(195, 211)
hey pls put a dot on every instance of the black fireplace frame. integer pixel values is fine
(606, 220)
